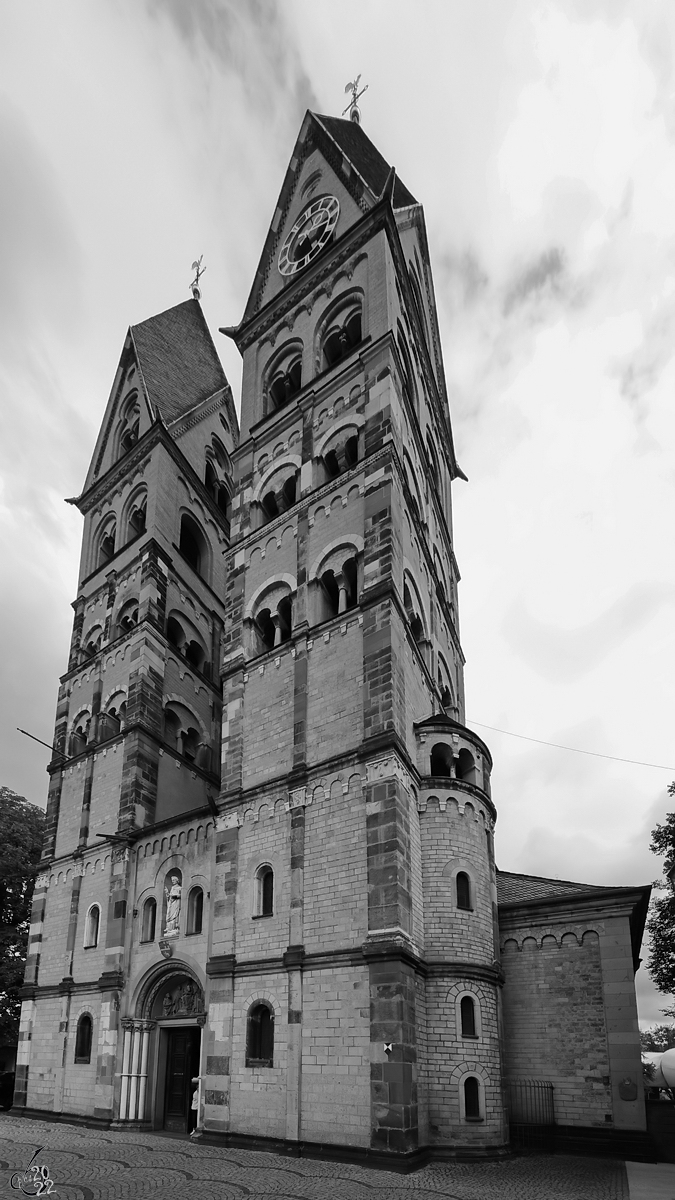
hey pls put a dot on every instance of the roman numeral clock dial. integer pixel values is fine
(311, 232)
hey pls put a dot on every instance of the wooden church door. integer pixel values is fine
(181, 1067)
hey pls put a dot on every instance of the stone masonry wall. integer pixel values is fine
(258, 1096)
(554, 1020)
(336, 1056)
(451, 1057)
(454, 841)
(335, 875)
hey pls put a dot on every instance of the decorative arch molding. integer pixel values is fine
(152, 982)
(282, 578)
(290, 346)
(410, 578)
(470, 1067)
(475, 993)
(352, 421)
(410, 474)
(278, 806)
(176, 698)
(194, 833)
(122, 600)
(198, 613)
(96, 623)
(199, 513)
(82, 711)
(135, 492)
(515, 941)
(348, 541)
(289, 460)
(262, 996)
(471, 1070)
(469, 809)
(351, 298)
(118, 690)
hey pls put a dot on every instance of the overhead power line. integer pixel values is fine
(635, 762)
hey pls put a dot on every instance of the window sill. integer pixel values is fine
(471, 1037)
(261, 916)
(83, 1061)
(256, 1064)
(475, 1120)
(93, 946)
(146, 941)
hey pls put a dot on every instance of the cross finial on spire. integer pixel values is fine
(353, 107)
(199, 271)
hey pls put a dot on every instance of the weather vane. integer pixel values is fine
(353, 107)
(199, 271)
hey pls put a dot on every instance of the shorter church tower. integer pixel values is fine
(137, 736)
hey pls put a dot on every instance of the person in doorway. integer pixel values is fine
(195, 1103)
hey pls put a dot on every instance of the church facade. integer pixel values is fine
(268, 908)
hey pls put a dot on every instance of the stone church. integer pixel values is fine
(268, 910)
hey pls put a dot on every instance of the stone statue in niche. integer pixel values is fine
(173, 892)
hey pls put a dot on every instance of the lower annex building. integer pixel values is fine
(269, 864)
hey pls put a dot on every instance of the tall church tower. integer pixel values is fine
(269, 865)
(355, 898)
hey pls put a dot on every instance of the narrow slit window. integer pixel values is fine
(472, 1099)
(195, 911)
(265, 892)
(260, 1037)
(92, 927)
(463, 891)
(149, 920)
(467, 1010)
(83, 1039)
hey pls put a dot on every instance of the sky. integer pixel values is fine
(136, 135)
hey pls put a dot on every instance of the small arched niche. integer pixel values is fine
(172, 903)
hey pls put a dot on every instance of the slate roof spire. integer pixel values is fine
(178, 360)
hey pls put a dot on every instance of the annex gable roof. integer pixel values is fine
(515, 888)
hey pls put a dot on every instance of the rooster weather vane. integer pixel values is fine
(199, 271)
(353, 106)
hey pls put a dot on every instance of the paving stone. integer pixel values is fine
(92, 1164)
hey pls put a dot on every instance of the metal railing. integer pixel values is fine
(531, 1113)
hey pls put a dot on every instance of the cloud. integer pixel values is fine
(561, 655)
(546, 272)
(251, 42)
(41, 257)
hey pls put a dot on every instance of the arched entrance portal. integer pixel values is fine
(161, 1052)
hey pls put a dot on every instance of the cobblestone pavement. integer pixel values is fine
(91, 1164)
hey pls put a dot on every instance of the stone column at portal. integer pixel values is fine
(133, 1082)
(146, 1028)
(127, 1026)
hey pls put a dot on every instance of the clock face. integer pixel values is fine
(311, 232)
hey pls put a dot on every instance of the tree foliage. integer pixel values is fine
(658, 1038)
(21, 833)
(661, 923)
